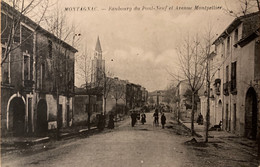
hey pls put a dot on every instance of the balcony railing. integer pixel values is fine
(217, 86)
(28, 83)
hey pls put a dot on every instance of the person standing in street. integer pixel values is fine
(163, 120)
(133, 118)
(111, 124)
(156, 117)
(143, 118)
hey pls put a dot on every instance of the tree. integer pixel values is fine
(170, 94)
(107, 87)
(104, 84)
(10, 22)
(151, 100)
(246, 7)
(191, 61)
(188, 96)
(118, 92)
(83, 70)
(57, 24)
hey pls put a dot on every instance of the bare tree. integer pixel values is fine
(108, 83)
(57, 24)
(170, 94)
(191, 58)
(211, 70)
(83, 71)
(16, 12)
(118, 92)
(245, 7)
(104, 84)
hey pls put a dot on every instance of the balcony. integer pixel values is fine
(217, 86)
(28, 83)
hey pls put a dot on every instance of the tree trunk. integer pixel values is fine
(89, 112)
(258, 5)
(58, 114)
(208, 106)
(116, 110)
(104, 105)
(178, 112)
(207, 116)
(192, 113)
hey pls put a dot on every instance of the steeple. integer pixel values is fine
(98, 46)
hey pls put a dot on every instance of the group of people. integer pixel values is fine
(143, 118)
(156, 118)
(133, 118)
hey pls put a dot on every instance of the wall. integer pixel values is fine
(245, 80)
(80, 113)
(51, 111)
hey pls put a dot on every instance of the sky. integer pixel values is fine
(142, 43)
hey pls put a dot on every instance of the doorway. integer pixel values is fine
(17, 116)
(42, 122)
(251, 114)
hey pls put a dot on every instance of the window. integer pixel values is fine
(42, 75)
(5, 68)
(228, 45)
(26, 66)
(227, 73)
(233, 76)
(223, 49)
(50, 48)
(236, 36)
(27, 39)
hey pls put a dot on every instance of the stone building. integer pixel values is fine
(37, 77)
(235, 87)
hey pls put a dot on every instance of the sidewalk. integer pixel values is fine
(15, 143)
(241, 143)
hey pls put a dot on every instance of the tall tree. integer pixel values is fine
(104, 84)
(83, 71)
(191, 60)
(118, 92)
(57, 23)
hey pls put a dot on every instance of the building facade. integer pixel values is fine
(235, 85)
(37, 79)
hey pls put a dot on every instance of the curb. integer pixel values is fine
(76, 134)
(29, 143)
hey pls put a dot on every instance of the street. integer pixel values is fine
(142, 145)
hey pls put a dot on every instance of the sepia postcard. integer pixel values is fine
(130, 83)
